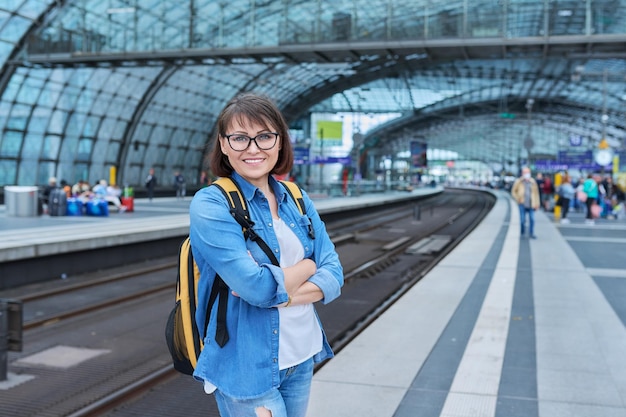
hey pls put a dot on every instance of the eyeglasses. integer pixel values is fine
(264, 141)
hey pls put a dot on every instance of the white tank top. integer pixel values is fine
(300, 332)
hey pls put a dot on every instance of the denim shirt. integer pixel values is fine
(247, 365)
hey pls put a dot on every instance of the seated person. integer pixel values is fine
(109, 194)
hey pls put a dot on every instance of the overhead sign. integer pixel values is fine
(300, 155)
(329, 132)
(345, 160)
(418, 154)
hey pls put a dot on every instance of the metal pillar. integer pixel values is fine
(4, 339)
(10, 332)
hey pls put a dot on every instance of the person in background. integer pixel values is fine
(151, 183)
(52, 184)
(266, 367)
(110, 194)
(566, 195)
(547, 193)
(526, 192)
(590, 187)
(67, 188)
(179, 185)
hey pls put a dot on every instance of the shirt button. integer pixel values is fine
(269, 224)
(292, 225)
(275, 331)
(276, 250)
(274, 360)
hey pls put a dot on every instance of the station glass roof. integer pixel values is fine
(89, 84)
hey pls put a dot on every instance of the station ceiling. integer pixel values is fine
(87, 84)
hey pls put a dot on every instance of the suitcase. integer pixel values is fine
(57, 202)
(74, 207)
(97, 207)
(129, 203)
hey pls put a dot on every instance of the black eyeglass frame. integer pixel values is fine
(276, 135)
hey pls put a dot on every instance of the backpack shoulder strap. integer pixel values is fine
(236, 201)
(296, 195)
(239, 210)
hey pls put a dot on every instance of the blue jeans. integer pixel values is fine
(289, 400)
(531, 219)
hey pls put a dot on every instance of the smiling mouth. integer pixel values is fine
(254, 161)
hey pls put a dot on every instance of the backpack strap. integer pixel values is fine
(239, 210)
(296, 194)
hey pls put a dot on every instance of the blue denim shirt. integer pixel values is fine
(247, 366)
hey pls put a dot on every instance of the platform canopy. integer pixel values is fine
(90, 84)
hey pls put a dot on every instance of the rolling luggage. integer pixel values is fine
(129, 203)
(74, 207)
(57, 202)
(97, 207)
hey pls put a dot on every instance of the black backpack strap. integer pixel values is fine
(221, 332)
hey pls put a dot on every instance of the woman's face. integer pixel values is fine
(253, 164)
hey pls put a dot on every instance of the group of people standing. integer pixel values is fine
(594, 192)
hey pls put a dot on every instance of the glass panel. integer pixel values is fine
(57, 121)
(84, 149)
(68, 149)
(81, 171)
(75, 124)
(50, 94)
(5, 109)
(29, 90)
(19, 117)
(51, 145)
(113, 152)
(28, 172)
(99, 152)
(101, 104)
(45, 170)
(11, 143)
(133, 175)
(39, 120)
(8, 172)
(15, 29)
(67, 101)
(32, 146)
(14, 85)
(33, 8)
(120, 129)
(91, 126)
(98, 171)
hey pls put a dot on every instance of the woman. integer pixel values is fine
(266, 367)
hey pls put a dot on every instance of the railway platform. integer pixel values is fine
(46, 247)
(504, 326)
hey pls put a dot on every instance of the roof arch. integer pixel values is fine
(88, 84)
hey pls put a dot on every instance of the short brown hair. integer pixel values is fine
(259, 109)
